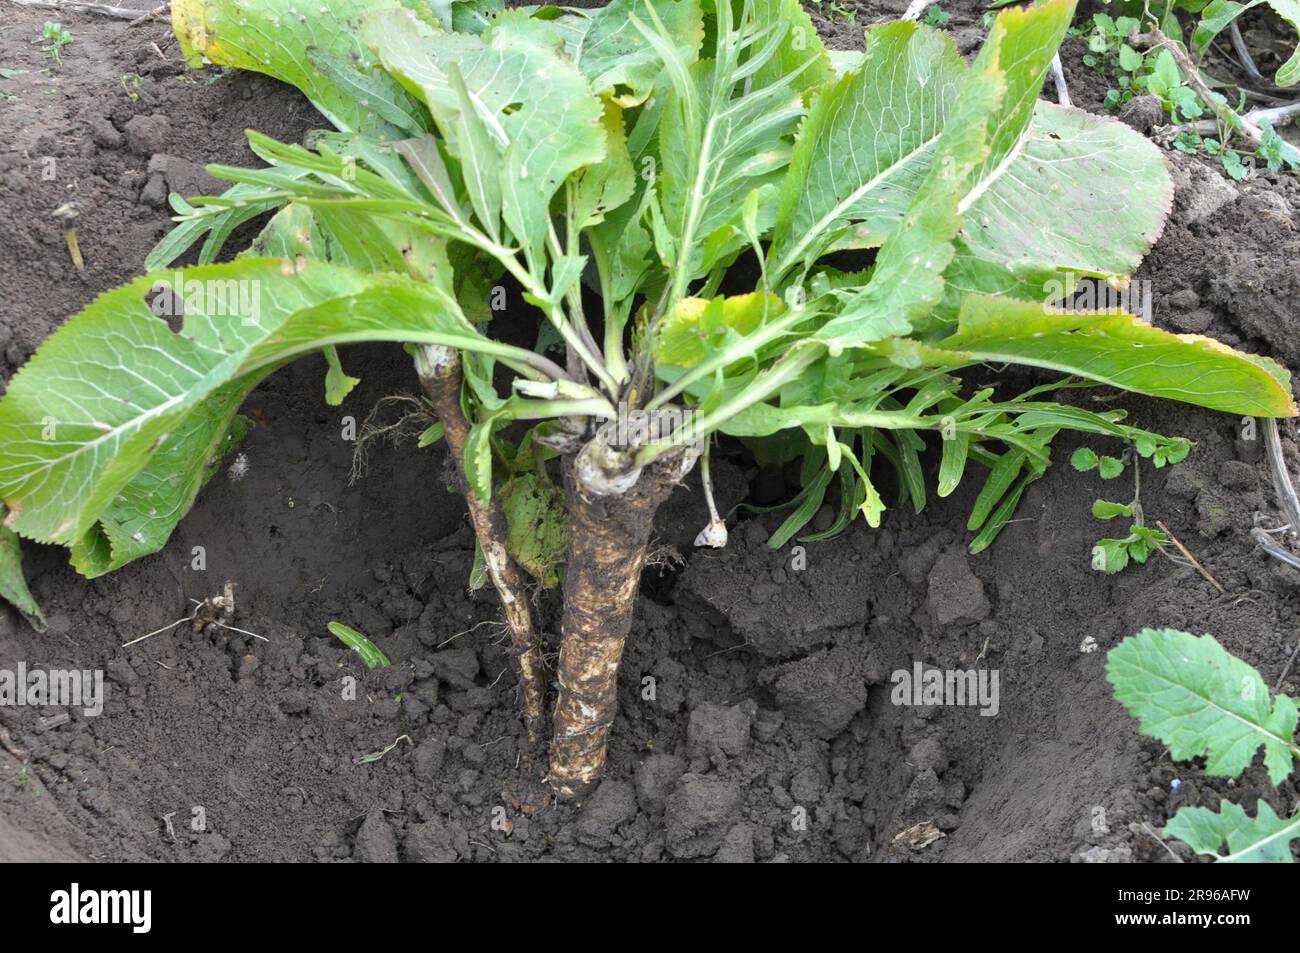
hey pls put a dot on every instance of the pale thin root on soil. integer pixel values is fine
(410, 424)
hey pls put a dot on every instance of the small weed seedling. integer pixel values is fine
(1198, 700)
(936, 16)
(717, 234)
(1113, 52)
(131, 86)
(55, 38)
(1113, 555)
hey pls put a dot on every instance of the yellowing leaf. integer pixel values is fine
(1116, 349)
(696, 326)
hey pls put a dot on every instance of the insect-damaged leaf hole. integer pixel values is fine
(166, 302)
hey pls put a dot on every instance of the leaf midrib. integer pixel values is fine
(839, 210)
(1290, 746)
(1286, 833)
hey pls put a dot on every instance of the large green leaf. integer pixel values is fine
(801, 52)
(518, 116)
(314, 49)
(1265, 838)
(1197, 699)
(907, 282)
(1058, 193)
(867, 144)
(723, 135)
(614, 56)
(1112, 348)
(1082, 195)
(141, 518)
(111, 387)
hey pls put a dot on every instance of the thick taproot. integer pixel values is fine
(442, 384)
(608, 536)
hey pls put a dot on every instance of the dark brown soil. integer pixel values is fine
(770, 694)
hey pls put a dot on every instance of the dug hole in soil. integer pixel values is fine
(755, 719)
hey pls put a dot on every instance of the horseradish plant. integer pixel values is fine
(615, 165)
(1189, 693)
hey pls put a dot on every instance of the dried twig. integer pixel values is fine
(915, 9)
(160, 631)
(1275, 116)
(1248, 130)
(8, 744)
(155, 12)
(1161, 841)
(120, 13)
(1286, 670)
(1187, 554)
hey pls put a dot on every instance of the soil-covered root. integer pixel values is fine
(440, 376)
(608, 541)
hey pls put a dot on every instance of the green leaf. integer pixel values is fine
(1129, 58)
(1108, 468)
(607, 184)
(316, 52)
(952, 464)
(1119, 350)
(518, 116)
(537, 526)
(142, 516)
(478, 459)
(430, 436)
(809, 502)
(1197, 699)
(719, 141)
(13, 584)
(1083, 460)
(1106, 510)
(115, 384)
(866, 145)
(906, 283)
(695, 328)
(110, 386)
(1111, 555)
(1103, 194)
(1218, 14)
(1265, 838)
(1233, 165)
(1002, 513)
(617, 60)
(999, 480)
(337, 384)
(358, 643)
(801, 51)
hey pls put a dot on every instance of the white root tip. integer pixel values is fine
(714, 535)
